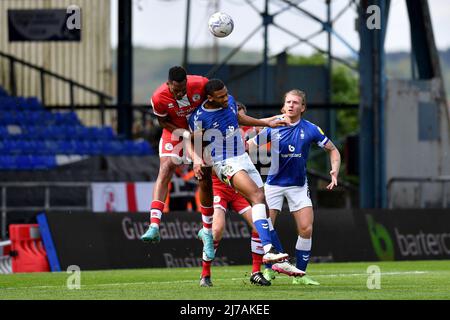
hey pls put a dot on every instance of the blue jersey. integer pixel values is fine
(289, 151)
(221, 128)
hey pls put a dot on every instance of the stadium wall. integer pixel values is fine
(417, 136)
(88, 61)
(111, 240)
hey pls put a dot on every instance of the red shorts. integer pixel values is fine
(225, 197)
(169, 146)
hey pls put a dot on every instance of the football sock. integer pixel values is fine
(302, 252)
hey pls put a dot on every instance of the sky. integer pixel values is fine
(161, 23)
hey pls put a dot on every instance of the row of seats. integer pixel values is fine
(27, 162)
(32, 137)
(19, 103)
(77, 132)
(72, 147)
(31, 118)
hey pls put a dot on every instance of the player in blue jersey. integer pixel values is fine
(287, 175)
(216, 122)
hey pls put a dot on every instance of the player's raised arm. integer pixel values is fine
(246, 120)
(335, 160)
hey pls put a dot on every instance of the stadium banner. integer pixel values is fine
(45, 24)
(94, 241)
(108, 241)
(122, 197)
(412, 234)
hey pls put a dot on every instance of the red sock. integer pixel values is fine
(157, 207)
(256, 262)
(207, 215)
(257, 252)
(206, 268)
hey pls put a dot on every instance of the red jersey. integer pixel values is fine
(178, 111)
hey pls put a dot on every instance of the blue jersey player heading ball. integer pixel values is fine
(217, 120)
(287, 175)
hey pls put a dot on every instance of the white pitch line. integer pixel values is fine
(102, 285)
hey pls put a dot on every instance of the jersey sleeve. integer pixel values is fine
(159, 108)
(319, 136)
(263, 137)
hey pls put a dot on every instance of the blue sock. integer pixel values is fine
(263, 230)
(276, 241)
(302, 259)
(302, 252)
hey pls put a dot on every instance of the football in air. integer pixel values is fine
(220, 24)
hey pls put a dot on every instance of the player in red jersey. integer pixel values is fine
(173, 103)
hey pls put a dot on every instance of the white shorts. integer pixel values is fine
(297, 197)
(227, 168)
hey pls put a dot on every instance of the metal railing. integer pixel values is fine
(444, 180)
(5, 209)
(102, 97)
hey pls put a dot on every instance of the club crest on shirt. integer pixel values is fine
(217, 199)
(302, 134)
(196, 97)
(168, 146)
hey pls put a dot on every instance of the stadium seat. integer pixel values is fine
(7, 163)
(33, 104)
(3, 92)
(4, 134)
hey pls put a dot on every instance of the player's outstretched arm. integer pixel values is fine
(246, 120)
(335, 160)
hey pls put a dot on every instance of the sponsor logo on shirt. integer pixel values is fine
(291, 155)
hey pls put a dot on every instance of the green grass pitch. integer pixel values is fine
(398, 280)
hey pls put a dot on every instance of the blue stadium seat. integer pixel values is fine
(23, 162)
(67, 147)
(32, 103)
(3, 92)
(71, 119)
(43, 162)
(113, 147)
(6, 118)
(51, 147)
(4, 134)
(7, 163)
(105, 133)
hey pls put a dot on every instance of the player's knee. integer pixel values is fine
(306, 231)
(257, 197)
